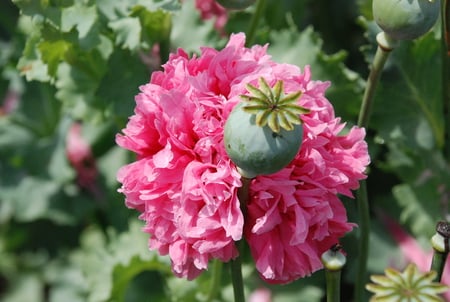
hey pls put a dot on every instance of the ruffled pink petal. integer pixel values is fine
(185, 186)
(300, 231)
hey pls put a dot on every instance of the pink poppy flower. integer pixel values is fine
(81, 158)
(211, 9)
(186, 187)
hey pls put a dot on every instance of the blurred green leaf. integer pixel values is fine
(305, 48)
(69, 45)
(40, 192)
(278, 13)
(110, 262)
(40, 9)
(156, 25)
(422, 196)
(79, 16)
(110, 163)
(365, 7)
(85, 60)
(28, 287)
(125, 276)
(64, 288)
(54, 52)
(128, 32)
(306, 293)
(414, 209)
(408, 119)
(118, 99)
(408, 105)
(30, 63)
(189, 31)
(76, 89)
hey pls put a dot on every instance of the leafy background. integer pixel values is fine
(72, 61)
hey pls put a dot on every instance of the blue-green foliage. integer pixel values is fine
(74, 60)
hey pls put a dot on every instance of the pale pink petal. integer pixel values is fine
(260, 295)
(79, 155)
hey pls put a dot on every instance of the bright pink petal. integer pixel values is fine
(185, 186)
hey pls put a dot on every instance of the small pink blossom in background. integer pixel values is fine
(152, 58)
(260, 295)
(185, 186)
(81, 158)
(413, 252)
(211, 9)
(10, 102)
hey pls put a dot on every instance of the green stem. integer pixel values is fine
(446, 72)
(385, 46)
(441, 246)
(236, 264)
(363, 242)
(236, 276)
(438, 264)
(215, 281)
(334, 261)
(164, 43)
(333, 279)
(254, 22)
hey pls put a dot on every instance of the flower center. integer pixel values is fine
(408, 292)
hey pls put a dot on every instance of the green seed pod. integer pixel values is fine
(259, 150)
(264, 132)
(235, 4)
(405, 19)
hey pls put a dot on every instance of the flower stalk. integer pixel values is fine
(363, 242)
(445, 32)
(440, 242)
(236, 264)
(215, 280)
(236, 275)
(256, 17)
(385, 46)
(334, 261)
